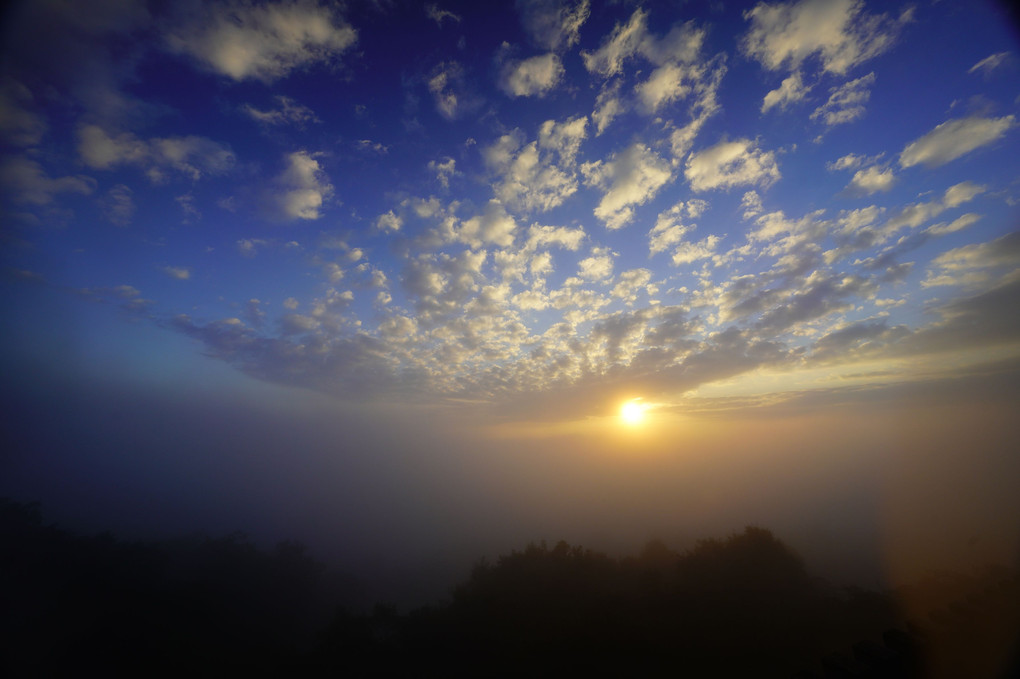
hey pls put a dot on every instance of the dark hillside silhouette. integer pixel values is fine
(743, 606)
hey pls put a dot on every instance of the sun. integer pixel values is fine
(632, 412)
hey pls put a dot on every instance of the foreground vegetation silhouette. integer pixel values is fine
(743, 606)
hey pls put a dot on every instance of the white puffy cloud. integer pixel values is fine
(192, 156)
(837, 31)
(444, 169)
(629, 283)
(954, 138)
(528, 179)
(389, 221)
(690, 251)
(245, 41)
(608, 106)
(665, 84)
(287, 111)
(564, 138)
(304, 186)
(731, 163)
(871, 180)
(682, 44)
(790, 91)
(493, 227)
(669, 229)
(846, 102)
(532, 77)
(597, 267)
(27, 182)
(630, 178)
(552, 24)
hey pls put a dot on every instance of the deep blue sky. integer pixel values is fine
(321, 231)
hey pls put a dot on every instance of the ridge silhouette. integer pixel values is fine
(741, 606)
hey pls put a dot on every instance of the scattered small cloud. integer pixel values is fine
(181, 273)
(790, 91)
(243, 41)
(432, 11)
(532, 77)
(731, 163)
(990, 63)
(287, 112)
(846, 102)
(553, 24)
(954, 138)
(303, 187)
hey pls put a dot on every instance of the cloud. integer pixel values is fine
(447, 88)
(630, 178)
(871, 180)
(528, 179)
(664, 85)
(688, 252)
(118, 206)
(682, 44)
(790, 91)
(837, 31)
(729, 164)
(304, 187)
(670, 231)
(533, 77)
(389, 221)
(989, 63)
(597, 267)
(820, 296)
(915, 214)
(444, 170)
(19, 125)
(494, 226)
(564, 138)
(850, 161)
(977, 263)
(958, 224)
(433, 12)
(553, 24)
(954, 138)
(341, 365)
(987, 318)
(846, 102)
(181, 273)
(244, 41)
(608, 106)
(26, 181)
(191, 156)
(288, 112)
(127, 297)
(631, 283)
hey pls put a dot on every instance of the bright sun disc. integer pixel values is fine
(632, 412)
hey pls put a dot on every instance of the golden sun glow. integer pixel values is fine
(632, 412)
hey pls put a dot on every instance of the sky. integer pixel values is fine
(381, 275)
